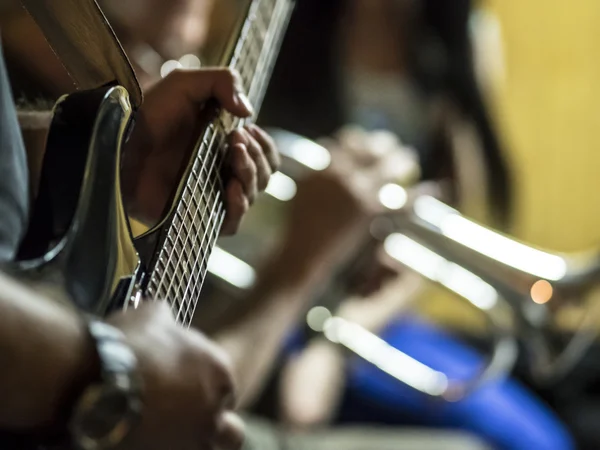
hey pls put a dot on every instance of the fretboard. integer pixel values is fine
(182, 262)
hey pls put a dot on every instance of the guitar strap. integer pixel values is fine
(85, 43)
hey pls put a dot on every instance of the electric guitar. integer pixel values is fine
(79, 242)
(79, 245)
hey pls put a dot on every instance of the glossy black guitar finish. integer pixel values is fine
(79, 243)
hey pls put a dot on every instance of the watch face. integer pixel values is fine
(104, 416)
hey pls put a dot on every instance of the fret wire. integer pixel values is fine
(177, 276)
(201, 221)
(191, 293)
(185, 262)
(192, 300)
(264, 54)
(206, 255)
(214, 159)
(217, 220)
(168, 289)
(167, 262)
(260, 60)
(272, 40)
(243, 34)
(169, 257)
(187, 188)
(197, 289)
(215, 203)
(182, 272)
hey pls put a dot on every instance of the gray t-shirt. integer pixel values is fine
(13, 173)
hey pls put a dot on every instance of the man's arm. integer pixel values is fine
(329, 216)
(283, 292)
(312, 381)
(48, 358)
(43, 351)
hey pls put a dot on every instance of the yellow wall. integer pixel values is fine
(549, 107)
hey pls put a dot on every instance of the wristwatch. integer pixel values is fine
(108, 409)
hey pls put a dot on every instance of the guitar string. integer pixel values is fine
(194, 273)
(215, 203)
(169, 259)
(190, 303)
(194, 277)
(177, 233)
(216, 218)
(200, 283)
(239, 45)
(177, 238)
(200, 263)
(213, 236)
(182, 280)
(184, 216)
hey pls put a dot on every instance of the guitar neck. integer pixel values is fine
(195, 224)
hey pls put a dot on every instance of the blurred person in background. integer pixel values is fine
(406, 66)
(318, 384)
(330, 213)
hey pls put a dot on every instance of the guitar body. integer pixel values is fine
(79, 243)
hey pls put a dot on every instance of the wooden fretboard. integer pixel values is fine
(182, 262)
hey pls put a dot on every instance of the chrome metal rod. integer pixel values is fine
(511, 268)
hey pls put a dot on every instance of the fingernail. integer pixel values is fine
(245, 101)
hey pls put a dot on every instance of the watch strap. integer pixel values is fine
(119, 377)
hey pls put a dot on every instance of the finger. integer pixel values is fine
(224, 85)
(268, 146)
(244, 169)
(399, 167)
(230, 432)
(263, 168)
(340, 159)
(147, 311)
(427, 188)
(353, 140)
(381, 143)
(220, 394)
(237, 206)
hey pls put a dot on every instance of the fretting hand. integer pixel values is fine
(166, 129)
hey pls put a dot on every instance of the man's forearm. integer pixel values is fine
(44, 350)
(254, 339)
(285, 288)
